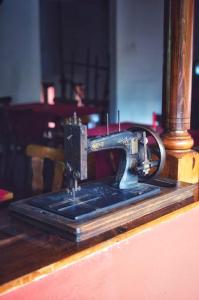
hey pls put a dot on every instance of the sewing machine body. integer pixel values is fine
(77, 206)
(134, 161)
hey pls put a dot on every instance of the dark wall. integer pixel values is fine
(84, 25)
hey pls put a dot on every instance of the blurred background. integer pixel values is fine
(88, 56)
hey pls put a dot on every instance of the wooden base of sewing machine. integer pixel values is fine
(78, 222)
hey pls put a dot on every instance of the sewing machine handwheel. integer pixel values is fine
(155, 152)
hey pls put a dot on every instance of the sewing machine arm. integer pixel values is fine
(135, 161)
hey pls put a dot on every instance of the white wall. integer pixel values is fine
(20, 74)
(138, 58)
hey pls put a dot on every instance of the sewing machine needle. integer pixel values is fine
(107, 124)
(73, 194)
(145, 146)
(118, 119)
(74, 189)
(75, 118)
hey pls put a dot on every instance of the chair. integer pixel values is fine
(47, 168)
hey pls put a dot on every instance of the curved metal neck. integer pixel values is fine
(121, 140)
(128, 142)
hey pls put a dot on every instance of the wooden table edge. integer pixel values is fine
(65, 262)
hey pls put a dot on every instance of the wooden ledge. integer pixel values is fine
(182, 166)
(85, 253)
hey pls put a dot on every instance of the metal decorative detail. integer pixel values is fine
(125, 141)
(134, 165)
(97, 146)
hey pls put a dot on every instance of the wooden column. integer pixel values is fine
(181, 160)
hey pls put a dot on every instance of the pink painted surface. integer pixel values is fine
(160, 262)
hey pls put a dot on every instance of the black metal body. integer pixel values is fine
(134, 160)
(69, 210)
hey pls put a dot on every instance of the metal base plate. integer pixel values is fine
(98, 208)
(93, 200)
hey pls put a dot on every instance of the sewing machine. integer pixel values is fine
(135, 162)
(80, 211)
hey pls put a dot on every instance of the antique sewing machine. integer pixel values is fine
(83, 211)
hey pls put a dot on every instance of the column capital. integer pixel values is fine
(178, 140)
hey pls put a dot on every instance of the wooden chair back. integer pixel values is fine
(39, 156)
(46, 178)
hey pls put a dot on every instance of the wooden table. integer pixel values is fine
(38, 265)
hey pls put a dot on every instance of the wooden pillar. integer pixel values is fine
(181, 160)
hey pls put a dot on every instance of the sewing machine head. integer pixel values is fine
(136, 162)
(98, 206)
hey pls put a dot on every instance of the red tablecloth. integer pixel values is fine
(5, 195)
(57, 110)
(29, 121)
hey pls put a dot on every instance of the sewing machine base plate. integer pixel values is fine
(97, 208)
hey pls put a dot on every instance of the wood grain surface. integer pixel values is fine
(114, 218)
(183, 166)
(27, 253)
(178, 73)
